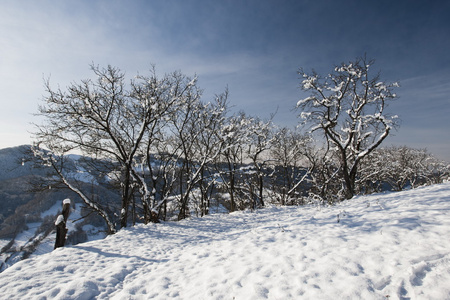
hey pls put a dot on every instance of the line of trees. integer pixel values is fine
(169, 154)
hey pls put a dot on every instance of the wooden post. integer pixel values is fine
(61, 229)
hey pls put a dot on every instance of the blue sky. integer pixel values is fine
(253, 47)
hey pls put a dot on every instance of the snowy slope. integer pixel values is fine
(392, 246)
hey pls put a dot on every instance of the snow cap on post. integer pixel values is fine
(59, 220)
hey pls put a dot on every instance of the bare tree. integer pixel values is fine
(323, 173)
(111, 120)
(400, 167)
(209, 144)
(348, 107)
(163, 97)
(234, 135)
(194, 143)
(439, 170)
(288, 151)
(258, 147)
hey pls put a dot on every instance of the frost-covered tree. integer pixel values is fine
(194, 143)
(164, 97)
(348, 107)
(259, 135)
(231, 159)
(374, 171)
(288, 151)
(208, 145)
(323, 173)
(401, 167)
(439, 170)
(109, 119)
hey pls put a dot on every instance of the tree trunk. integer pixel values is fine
(125, 198)
(261, 188)
(232, 191)
(349, 186)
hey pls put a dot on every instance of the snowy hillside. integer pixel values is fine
(27, 216)
(39, 236)
(392, 246)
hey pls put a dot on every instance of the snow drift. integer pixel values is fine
(385, 246)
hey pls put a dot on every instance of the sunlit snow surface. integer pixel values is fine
(392, 246)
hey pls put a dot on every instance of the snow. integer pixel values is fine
(383, 246)
(52, 211)
(59, 220)
(306, 100)
(309, 82)
(81, 174)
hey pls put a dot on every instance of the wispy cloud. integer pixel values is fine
(253, 47)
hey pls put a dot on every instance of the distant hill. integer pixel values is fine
(27, 216)
(13, 163)
(16, 174)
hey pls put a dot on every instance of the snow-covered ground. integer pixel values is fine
(390, 246)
